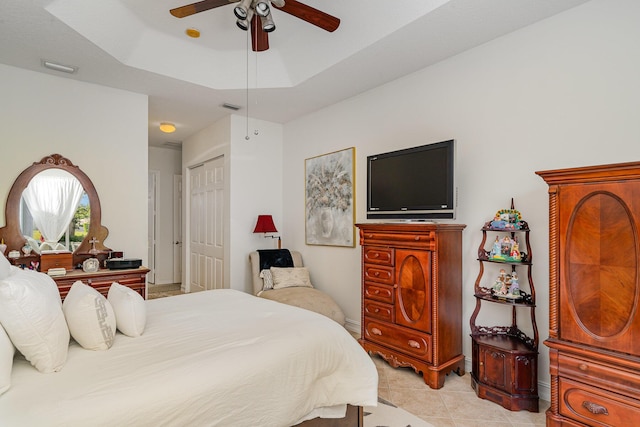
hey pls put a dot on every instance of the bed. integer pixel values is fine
(213, 358)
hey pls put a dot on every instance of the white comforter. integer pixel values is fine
(215, 358)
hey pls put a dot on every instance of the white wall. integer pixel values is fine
(101, 130)
(253, 181)
(168, 163)
(563, 92)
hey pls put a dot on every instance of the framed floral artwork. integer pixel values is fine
(329, 199)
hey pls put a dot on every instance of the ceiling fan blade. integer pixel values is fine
(310, 14)
(201, 6)
(259, 37)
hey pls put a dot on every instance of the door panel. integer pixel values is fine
(206, 230)
(413, 289)
(600, 268)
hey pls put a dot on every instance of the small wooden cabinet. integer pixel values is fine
(594, 295)
(504, 359)
(101, 280)
(412, 296)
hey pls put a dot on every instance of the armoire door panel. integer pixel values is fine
(599, 263)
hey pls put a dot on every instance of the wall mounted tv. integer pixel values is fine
(416, 183)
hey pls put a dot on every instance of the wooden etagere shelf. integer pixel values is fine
(504, 358)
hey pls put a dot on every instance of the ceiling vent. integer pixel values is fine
(174, 145)
(231, 106)
(59, 67)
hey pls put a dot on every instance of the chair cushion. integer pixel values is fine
(290, 277)
(307, 298)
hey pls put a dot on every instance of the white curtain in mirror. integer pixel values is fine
(53, 197)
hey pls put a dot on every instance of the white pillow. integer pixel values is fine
(130, 309)
(31, 313)
(7, 350)
(267, 279)
(90, 317)
(290, 276)
(5, 266)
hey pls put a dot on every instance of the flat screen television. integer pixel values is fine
(415, 183)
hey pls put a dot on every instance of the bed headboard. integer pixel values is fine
(254, 260)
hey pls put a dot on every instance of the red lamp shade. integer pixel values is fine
(265, 225)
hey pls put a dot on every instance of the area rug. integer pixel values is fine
(386, 414)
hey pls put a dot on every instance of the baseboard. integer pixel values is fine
(352, 326)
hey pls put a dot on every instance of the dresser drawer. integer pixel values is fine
(378, 310)
(614, 378)
(379, 292)
(378, 273)
(404, 340)
(378, 255)
(594, 406)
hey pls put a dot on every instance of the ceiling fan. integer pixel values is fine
(257, 15)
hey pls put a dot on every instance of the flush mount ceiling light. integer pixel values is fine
(167, 127)
(59, 67)
(193, 32)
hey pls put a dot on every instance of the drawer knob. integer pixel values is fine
(377, 310)
(376, 331)
(594, 408)
(414, 344)
(377, 273)
(376, 292)
(583, 367)
(374, 255)
(417, 238)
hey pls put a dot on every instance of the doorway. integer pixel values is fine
(152, 211)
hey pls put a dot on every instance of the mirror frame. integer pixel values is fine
(11, 233)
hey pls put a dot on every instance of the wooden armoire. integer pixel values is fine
(412, 296)
(594, 295)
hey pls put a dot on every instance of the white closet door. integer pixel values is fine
(206, 226)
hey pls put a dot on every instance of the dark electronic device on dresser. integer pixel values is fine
(122, 263)
(415, 183)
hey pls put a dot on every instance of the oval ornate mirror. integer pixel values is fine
(96, 234)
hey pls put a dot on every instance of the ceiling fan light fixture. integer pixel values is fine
(244, 24)
(262, 8)
(268, 25)
(242, 9)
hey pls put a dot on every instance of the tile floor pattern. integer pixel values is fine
(454, 405)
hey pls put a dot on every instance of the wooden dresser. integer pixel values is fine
(101, 280)
(594, 301)
(412, 296)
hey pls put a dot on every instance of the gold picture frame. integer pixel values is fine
(330, 199)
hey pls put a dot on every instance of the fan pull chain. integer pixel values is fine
(246, 137)
(255, 131)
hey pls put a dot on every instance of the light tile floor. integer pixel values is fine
(454, 405)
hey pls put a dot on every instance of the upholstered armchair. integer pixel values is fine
(279, 275)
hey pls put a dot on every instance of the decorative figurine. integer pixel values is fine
(495, 251)
(514, 289)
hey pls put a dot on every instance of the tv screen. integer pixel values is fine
(416, 183)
